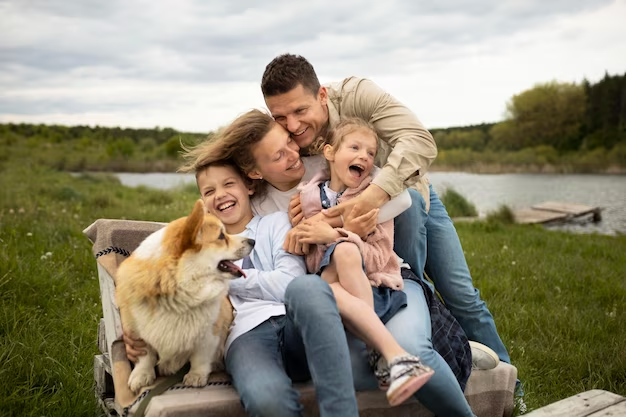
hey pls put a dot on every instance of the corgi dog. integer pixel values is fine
(172, 293)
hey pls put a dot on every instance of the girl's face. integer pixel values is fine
(226, 196)
(278, 160)
(353, 161)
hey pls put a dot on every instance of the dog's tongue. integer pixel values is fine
(234, 268)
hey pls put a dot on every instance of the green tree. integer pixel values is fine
(503, 136)
(605, 119)
(474, 139)
(547, 114)
(172, 146)
(123, 147)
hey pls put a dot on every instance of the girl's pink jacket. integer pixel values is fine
(381, 262)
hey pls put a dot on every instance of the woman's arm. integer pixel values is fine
(394, 207)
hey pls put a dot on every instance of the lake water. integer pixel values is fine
(488, 191)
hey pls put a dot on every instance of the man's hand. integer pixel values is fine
(295, 210)
(134, 347)
(361, 224)
(317, 233)
(293, 243)
(373, 197)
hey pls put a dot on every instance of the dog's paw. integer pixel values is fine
(194, 379)
(140, 378)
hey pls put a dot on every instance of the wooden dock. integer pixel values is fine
(555, 211)
(594, 403)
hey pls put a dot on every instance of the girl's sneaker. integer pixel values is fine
(407, 374)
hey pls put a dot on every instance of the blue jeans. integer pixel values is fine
(428, 242)
(309, 342)
(442, 394)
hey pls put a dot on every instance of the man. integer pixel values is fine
(425, 236)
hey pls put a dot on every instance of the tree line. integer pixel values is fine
(552, 122)
(575, 127)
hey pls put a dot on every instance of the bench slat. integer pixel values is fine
(580, 405)
(618, 409)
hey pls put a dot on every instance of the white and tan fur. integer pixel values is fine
(172, 295)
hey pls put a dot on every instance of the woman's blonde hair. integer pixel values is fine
(231, 146)
(336, 135)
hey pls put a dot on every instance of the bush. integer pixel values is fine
(503, 214)
(457, 205)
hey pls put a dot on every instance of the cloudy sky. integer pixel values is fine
(194, 65)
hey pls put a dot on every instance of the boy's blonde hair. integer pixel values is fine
(232, 146)
(337, 134)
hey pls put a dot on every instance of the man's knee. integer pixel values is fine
(413, 217)
(417, 200)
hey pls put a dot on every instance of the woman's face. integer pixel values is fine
(278, 160)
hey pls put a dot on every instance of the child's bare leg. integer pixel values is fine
(346, 267)
(400, 373)
(404, 373)
(362, 320)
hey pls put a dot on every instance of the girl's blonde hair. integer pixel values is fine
(232, 146)
(336, 135)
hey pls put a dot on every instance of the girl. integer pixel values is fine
(341, 257)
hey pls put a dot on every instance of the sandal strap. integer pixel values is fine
(408, 365)
(405, 360)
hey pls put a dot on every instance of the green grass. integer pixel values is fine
(558, 299)
(49, 293)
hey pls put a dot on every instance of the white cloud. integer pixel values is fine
(195, 65)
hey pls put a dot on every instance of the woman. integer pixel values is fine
(267, 154)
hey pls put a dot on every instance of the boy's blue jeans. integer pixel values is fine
(309, 342)
(428, 241)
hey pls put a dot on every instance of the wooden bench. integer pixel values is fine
(594, 403)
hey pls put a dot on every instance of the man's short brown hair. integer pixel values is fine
(284, 74)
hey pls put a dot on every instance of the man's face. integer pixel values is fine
(302, 113)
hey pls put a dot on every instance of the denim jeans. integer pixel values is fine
(442, 394)
(428, 242)
(309, 342)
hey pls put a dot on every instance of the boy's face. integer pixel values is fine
(226, 196)
(301, 112)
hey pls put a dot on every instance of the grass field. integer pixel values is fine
(558, 299)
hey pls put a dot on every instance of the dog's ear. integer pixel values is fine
(193, 224)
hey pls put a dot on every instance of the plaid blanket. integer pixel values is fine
(448, 338)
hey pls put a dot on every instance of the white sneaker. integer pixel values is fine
(483, 357)
(520, 405)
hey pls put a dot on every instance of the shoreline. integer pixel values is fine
(527, 169)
